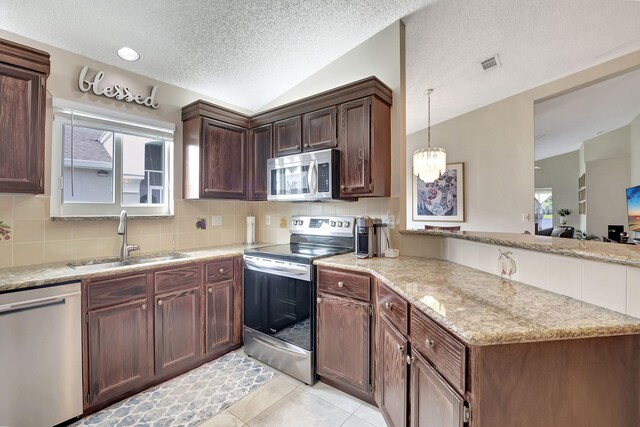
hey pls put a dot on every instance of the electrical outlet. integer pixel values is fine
(267, 219)
(389, 220)
(216, 219)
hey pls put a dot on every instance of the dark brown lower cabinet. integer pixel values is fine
(119, 349)
(392, 363)
(433, 402)
(219, 316)
(344, 328)
(177, 330)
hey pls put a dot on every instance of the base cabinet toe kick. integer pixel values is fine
(375, 345)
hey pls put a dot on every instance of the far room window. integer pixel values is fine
(102, 164)
(543, 209)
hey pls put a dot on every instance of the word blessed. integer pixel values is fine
(116, 91)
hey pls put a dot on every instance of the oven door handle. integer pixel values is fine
(257, 265)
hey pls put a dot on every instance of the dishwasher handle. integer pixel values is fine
(34, 304)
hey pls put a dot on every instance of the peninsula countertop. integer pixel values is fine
(30, 276)
(594, 250)
(483, 309)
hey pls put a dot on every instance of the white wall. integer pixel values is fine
(496, 142)
(634, 138)
(560, 173)
(608, 145)
(607, 180)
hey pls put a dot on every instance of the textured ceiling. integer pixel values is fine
(563, 123)
(538, 41)
(245, 53)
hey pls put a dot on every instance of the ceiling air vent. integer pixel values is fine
(490, 63)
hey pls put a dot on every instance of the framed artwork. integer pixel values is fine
(441, 200)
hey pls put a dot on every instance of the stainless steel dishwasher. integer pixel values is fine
(40, 356)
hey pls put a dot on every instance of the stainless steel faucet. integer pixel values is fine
(122, 230)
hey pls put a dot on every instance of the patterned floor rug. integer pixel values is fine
(187, 400)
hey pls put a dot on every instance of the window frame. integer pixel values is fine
(121, 124)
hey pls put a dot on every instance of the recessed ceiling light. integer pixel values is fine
(128, 54)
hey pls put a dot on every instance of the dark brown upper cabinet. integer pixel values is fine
(364, 140)
(215, 152)
(287, 136)
(23, 74)
(260, 150)
(320, 129)
(222, 159)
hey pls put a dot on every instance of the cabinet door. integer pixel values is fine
(393, 373)
(260, 148)
(433, 402)
(287, 136)
(119, 350)
(354, 138)
(219, 316)
(344, 328)
(21, 130)
(320, 129)
(224, 160)
(177, 330)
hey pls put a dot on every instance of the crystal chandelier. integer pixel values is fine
(431, 162)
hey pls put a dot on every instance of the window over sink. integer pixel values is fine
(103, 162)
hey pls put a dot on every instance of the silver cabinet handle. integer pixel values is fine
(388, 306)
(429, 343)
(340, 284)
(143, 307)
(400, 348)
(221, 271)
(159, 302)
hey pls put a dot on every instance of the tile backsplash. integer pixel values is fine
(281, 213)
(34, 238)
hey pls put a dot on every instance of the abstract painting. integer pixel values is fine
(441, 200)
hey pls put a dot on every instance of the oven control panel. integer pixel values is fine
(323, 225)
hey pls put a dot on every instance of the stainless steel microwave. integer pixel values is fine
(304, 177)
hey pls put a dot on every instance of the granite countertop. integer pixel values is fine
(46, 274)
(614, 253)
(483, 309)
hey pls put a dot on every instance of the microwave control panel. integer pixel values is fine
(324, 178)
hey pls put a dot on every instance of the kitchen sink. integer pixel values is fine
(124, 262)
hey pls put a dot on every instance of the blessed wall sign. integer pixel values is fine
(121, 93)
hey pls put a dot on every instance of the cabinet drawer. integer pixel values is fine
(102, 293)
(177, 279)
(393, 307)
(344, 284)
(219, 271)
(446, 353)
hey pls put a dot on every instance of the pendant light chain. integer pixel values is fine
(429, 117)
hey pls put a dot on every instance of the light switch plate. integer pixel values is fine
(216, 219)
(268, 220)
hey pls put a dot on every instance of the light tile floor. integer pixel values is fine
(285, 401)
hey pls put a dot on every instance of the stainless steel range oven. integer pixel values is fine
(280, 293)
